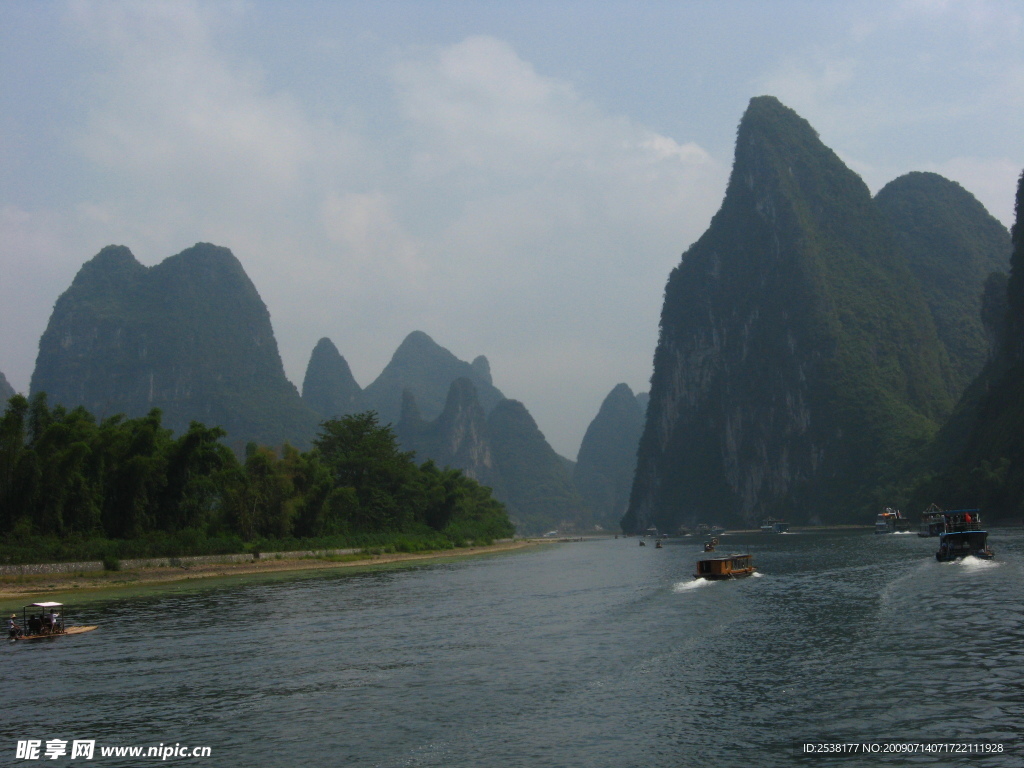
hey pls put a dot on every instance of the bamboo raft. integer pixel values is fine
(67, 631)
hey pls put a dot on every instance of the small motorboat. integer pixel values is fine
(725, 567)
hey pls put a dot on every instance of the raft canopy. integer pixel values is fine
(46, 605)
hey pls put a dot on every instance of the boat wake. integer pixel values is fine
(902, 533)
(757, 575)
(971, 563)
(686, 586)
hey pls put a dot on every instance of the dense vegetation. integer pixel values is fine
(73, 487)
(952, 245)
(980, 452)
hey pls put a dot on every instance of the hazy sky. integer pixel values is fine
(516, 179)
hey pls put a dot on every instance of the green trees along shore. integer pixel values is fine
(72, 487)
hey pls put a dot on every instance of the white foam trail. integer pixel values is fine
(902, 533)
(686, 586)
(757, 575)
(977, 564)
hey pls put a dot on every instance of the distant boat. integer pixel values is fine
(891, 520)
(725, 567)
(771, 525)
(933, 520)
(963, 536)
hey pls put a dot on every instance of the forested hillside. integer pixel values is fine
(980, 453)
(798, 371)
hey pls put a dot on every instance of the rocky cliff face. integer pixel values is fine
(329, 388)
(6, 391)
(190, 336)
(952, 245)
(503, 450)
(797, 359)
(427, 370)
(607, 458)
(458, 438)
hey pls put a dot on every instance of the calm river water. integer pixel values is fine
(597, 653)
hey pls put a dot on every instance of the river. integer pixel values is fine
(597, 653)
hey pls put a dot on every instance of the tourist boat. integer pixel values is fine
(891, 520)
(46, 620)
(771, 525)
(963, 536)
(725, 567)
(933, 520)
(657, 544)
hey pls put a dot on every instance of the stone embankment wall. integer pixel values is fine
(164, 562)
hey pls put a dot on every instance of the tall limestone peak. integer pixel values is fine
(539, 492)
(190, 335)
(980, 451)
(607, 457)
(797, 357)
(329, 387)
(426, 369)
(482, 368)
(952, 244)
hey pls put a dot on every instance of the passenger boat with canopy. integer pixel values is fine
(963, 536)
(725, 567)
(43, 620)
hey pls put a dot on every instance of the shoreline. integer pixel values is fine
(41, 585)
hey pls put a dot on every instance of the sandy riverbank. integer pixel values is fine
(47, 584)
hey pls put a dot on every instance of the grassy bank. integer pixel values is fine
(21, 550)
(27, 588)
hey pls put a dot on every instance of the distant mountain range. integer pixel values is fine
(419, 365)
(813, 344)
(192, 337)
(812, 340)
(449, 411)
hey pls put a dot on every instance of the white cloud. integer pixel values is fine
(364, 224)
(482, 198)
